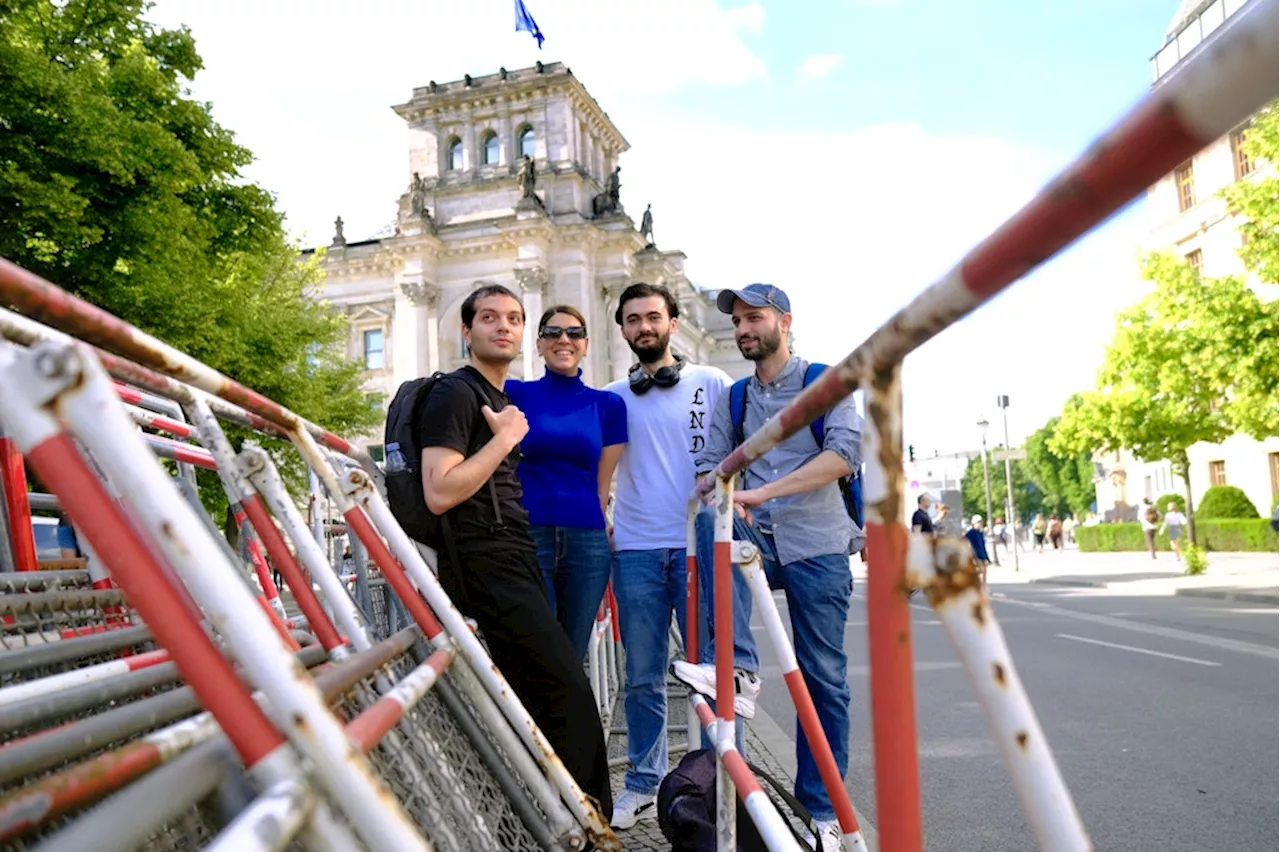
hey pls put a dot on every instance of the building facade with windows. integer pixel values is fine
(1190, 219)
(475, 211)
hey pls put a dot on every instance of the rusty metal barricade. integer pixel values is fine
(423, 709)
(1231, 77)
(466, 740)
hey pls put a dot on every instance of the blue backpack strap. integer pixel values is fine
(819, 429)
(738, 409)
(819, 426)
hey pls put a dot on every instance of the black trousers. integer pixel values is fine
(505, 594)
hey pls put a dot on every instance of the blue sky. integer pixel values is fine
(850, 152)
(1047, 74)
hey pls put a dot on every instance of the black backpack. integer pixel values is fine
(687, 807)
(405, 497)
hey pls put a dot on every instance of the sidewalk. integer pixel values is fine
(1244, 577)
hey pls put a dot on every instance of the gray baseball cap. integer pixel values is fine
(756, 295)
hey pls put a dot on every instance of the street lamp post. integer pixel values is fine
(1003, 402)
(986, 481)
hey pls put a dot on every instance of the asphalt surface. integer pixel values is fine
(1161, 711)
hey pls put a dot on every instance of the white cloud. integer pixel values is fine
(820, 65)
(749, 17)
(308, 86)
(854, 225)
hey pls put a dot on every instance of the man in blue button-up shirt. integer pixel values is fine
(791, 508)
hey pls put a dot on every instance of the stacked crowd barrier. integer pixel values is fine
(159, 694)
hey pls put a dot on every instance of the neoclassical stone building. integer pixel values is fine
(474, 212)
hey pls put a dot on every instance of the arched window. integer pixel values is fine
(455, 154)
(489, 155)
(526, 142)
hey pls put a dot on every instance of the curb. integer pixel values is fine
(783, 749)
(1241, 596)
(1075, 584)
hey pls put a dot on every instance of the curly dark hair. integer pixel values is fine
(641, 290)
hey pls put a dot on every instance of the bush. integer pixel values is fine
(1195, 559)
(1165, 499)
(1225, 501)
(1221, 536)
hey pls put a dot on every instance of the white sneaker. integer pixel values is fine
(632, 807)
(829, 831)
(702, 679)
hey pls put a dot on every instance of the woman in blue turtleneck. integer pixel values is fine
(567, 461)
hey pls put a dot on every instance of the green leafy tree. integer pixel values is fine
(118, 186)
(1251, 325)
(1026, 496)
(1066, 481)
(1193, 361)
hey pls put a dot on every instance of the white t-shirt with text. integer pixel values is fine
(666, 428)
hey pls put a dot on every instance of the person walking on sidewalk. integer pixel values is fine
(1150, 519)
(1174, 523)
(576, 435)
(668, 402)
(978, 542)
(469, 434)
(1038, 530)
(792, 509)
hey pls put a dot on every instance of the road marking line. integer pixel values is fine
(1269, 652)
(1138, 650)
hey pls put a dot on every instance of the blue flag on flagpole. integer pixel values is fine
(526, 23)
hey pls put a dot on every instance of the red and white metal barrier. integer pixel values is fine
(13, 482)
(68, 380)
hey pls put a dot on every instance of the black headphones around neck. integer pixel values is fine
(666, 377)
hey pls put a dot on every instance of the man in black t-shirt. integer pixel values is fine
(920, 521)
(470, 433)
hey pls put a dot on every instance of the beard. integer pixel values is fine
(766, 345)
(652, 349)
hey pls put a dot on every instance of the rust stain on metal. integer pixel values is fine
(884, 408)
(956, 573)
(1021, 739)
(998, 671)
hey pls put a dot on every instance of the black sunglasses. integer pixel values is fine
(553, 332)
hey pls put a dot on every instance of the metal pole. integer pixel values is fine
(986, 480)
(893, 702)
(1008, 481)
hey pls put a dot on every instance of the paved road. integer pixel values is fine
(1162, 712)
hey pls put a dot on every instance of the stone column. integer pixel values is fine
(423, 349)
(532, 281)
(620, 356)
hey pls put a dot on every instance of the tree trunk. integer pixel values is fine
(1183, 468)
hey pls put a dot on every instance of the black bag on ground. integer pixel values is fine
(403, 471)
(687, 806)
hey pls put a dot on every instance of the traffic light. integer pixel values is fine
(911, 452)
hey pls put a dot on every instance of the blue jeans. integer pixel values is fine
(818, 591)
(575, 567)
(648, 584)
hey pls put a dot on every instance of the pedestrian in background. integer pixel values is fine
(1174, 523)
(1150, 520)
(1038, 529)
(977, 540)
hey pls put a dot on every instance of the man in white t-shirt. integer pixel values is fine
(669, 405)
